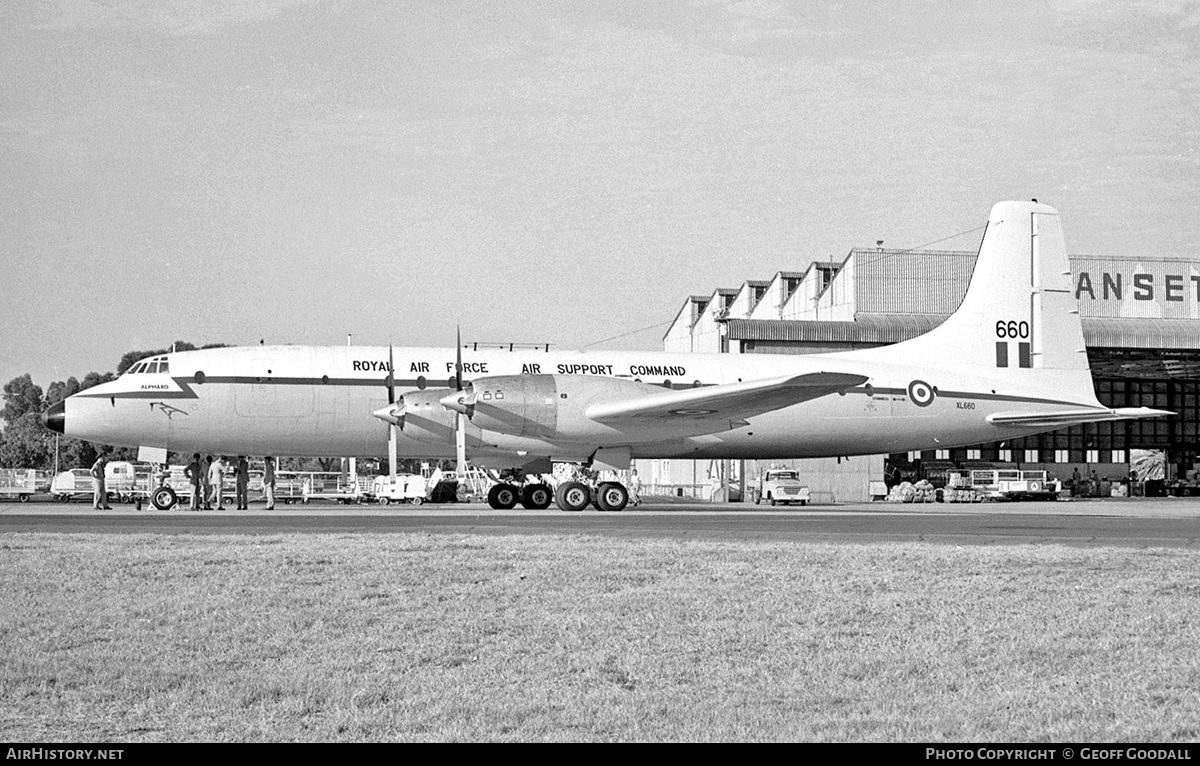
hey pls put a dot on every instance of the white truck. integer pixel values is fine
(780, 485)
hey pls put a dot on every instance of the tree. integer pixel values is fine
(21, 396)
(27, 444)
(58, 390)
(95, 379)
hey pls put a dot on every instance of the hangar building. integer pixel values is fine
(1141, 325)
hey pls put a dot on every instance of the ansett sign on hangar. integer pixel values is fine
(1110, 287)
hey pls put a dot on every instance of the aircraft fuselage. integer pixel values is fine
(306, 400)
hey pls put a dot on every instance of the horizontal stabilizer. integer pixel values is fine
(1073, 417)
(724, 403)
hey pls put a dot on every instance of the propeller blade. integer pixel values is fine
(392, 453)
(458, 367)
(391, 376)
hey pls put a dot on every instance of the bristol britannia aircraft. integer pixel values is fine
(1009, 362)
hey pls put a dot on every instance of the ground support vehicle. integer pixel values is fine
(959, 489)
(778, 485)
(68, 485)
(1013, 484)
(129, 482)
(336, 487)
(123, 482)
(289, 487)
(404, 488)
(22, 483)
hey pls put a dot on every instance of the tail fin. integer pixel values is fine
(1019, 323)
(1019, 312)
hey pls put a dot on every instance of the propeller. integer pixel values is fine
(393, 413)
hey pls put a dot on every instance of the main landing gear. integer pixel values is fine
(535, 497)
(570, 496)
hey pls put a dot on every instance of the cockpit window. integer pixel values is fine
(158, 365)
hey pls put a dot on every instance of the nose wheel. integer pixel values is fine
(163, 498)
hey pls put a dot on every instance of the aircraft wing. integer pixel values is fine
(1073, 417)
(716, 406)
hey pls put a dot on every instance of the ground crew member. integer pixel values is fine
(242, 475)
(192, 472)
(99, 491)
(216, 477)
(635, 488)
(269, 481)
(206, 485)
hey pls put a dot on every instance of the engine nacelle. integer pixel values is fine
(423, 417)
(547, 407)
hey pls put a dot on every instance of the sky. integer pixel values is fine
(295, 171)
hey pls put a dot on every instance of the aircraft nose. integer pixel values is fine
(55, 418)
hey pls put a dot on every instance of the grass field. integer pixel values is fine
(459, 637)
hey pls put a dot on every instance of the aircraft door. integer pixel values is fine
(256, 396)
(265, 393)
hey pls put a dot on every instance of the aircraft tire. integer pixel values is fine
(612, 496)
(573, 496)
(536, 497)
(163, 498)
(503, 497)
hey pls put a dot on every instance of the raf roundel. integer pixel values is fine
(921, 393)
